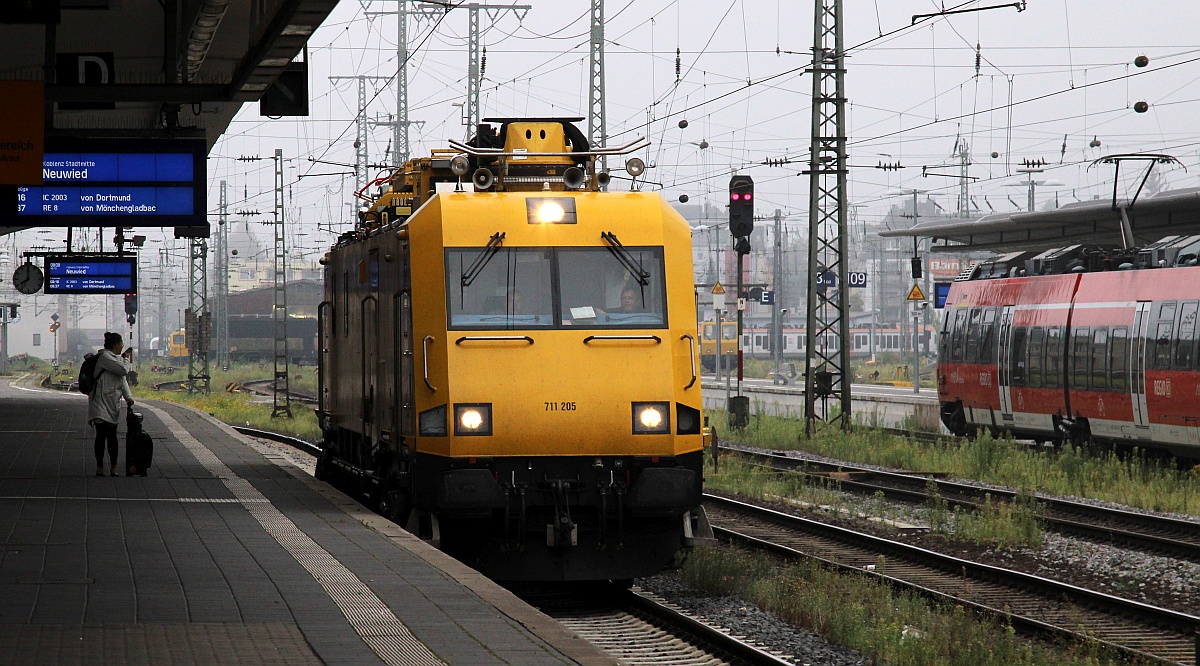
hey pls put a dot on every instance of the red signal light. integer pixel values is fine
(734, 196)
(747, 196)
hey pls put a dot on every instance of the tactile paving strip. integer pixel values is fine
(371, 618)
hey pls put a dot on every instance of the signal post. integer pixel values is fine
(741, 224)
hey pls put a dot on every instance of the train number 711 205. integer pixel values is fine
(560, 406)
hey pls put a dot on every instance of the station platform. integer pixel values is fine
(226, 553)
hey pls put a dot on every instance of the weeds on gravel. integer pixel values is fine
(865, 613)
(1001, 524)
(1135, 479)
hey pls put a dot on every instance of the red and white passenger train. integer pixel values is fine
(1078, 343)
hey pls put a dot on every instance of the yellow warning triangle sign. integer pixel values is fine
(915, 294)
(718, 289)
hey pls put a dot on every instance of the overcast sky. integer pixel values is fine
(1065, 65)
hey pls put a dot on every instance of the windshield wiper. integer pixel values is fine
(482, 260)
(627, 260)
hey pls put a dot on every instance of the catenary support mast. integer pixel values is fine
(827, 369)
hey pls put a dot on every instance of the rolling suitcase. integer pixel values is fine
(139, 446)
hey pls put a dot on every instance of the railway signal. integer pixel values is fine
(741, 206)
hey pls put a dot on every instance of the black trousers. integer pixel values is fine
(106, 433)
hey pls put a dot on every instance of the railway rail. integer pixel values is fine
(1029, 602)
(255, 386)
(636, 628)
(1147, 532)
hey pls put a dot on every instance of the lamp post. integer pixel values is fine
(777, 343)
(916, 348)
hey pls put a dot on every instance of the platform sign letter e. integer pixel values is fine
(85, 69)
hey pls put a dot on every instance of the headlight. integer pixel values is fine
(473, 419)
(651, 418)
(432, 422)
(551, 210)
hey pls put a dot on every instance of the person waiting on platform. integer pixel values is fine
(104, 403)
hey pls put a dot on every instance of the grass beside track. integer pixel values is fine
(863, 613)
(1137, 479)
(237, 408)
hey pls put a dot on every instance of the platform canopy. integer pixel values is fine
(1099, 222)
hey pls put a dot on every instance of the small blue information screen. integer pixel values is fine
(114, 182)
(91, 274)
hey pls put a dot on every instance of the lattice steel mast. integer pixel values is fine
(827, 370)
(199, 319)
(597, 132)
(221, 311)
(282, 398)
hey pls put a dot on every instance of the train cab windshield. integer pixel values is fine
(530, 288)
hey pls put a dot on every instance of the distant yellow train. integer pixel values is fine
(708, 344)
(510, 361)
(177, 344)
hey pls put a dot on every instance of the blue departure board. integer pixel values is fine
(91, 274)
(114, 182)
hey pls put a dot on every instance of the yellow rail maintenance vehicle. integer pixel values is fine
(708, 345)
(510, 362)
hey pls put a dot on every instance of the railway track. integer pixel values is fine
(267, 387)
(636, 628)
(1146, 532)
(1029, 602)
(255, 386)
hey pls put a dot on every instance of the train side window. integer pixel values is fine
(1159, 354)
(708, 331)
(1099, 359)
(958, 335)
(1018, 356)
(1080, 351)
(1161, 358)
(987, 336)
(1053, 371)
(1185, 337)
(1037, 338)
(973, 328)
(1118, 359)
